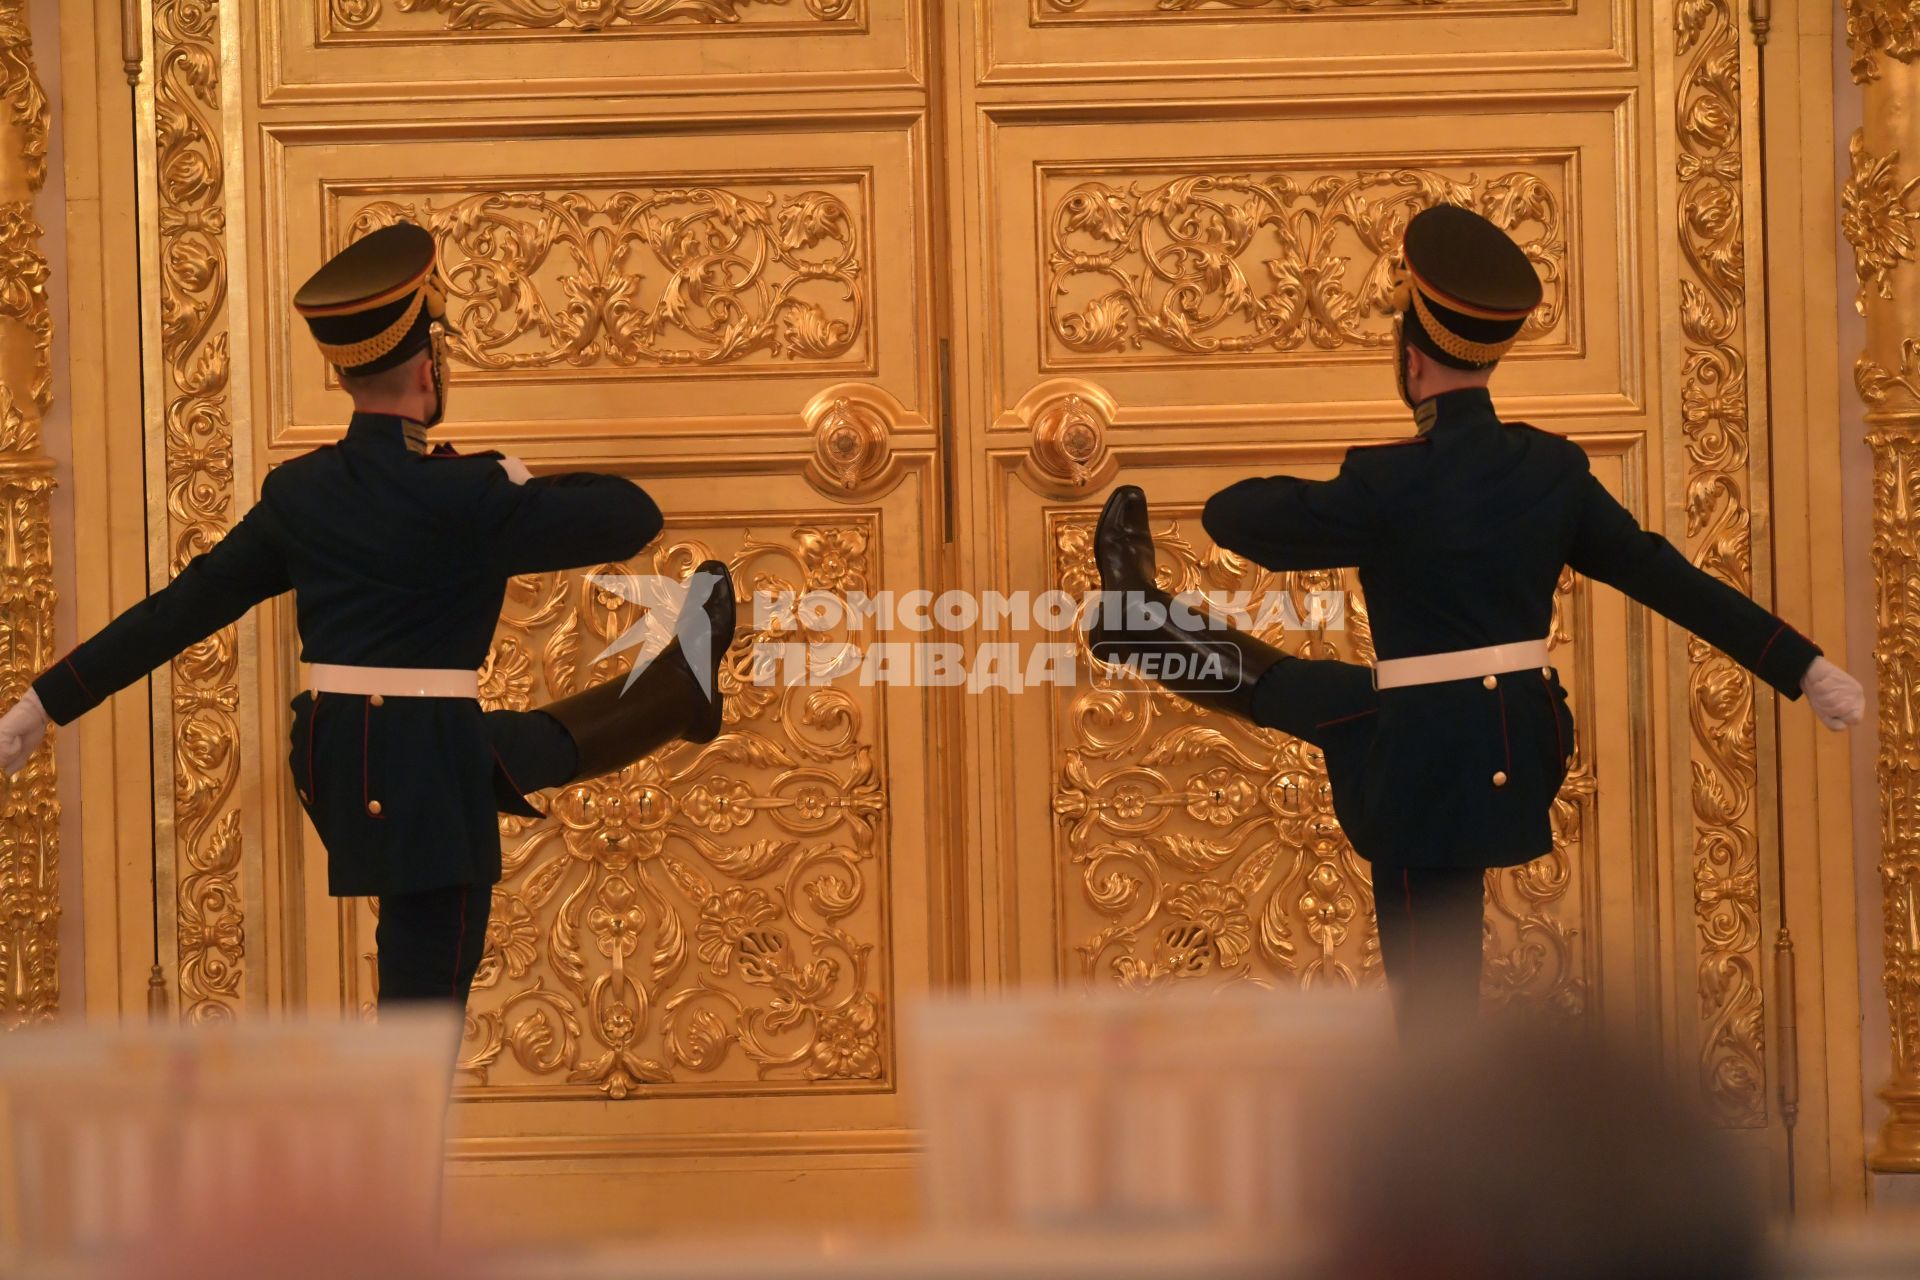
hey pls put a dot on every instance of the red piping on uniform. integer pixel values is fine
(1559, 742)
(1506, 744)
(1413, 935)
(68, 662)
(1769, 644)
(459, 948)
(1328, 724)
(313, 718)
(504, 771)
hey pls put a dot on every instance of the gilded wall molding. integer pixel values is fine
(623, 279)
(29, 802)
(714, 917)
(593, 15)
(1877, 216)
(1192, 847)
(197, 431)
(1716, 426)
(1875, 28)
(1222, 264)
(1218, 10)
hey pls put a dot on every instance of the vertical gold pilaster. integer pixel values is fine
(29, 810)
(1879, 206)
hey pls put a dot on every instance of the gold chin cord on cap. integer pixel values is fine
(353, 354)
(1453, 344)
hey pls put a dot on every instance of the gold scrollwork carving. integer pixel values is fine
(1715, 424)
(852, 426)
(583, 15)
(1069, 421)
(663, 278)
(713, 917)
(29, 802)
(1194, 846)
(197, 429)
(1890, 27)
(1877, 219)
(1221, 263)
(1218, 9)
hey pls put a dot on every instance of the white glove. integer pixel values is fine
(21, 730)
(1835, 696)
(516, 470)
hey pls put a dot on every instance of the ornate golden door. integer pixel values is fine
(881, 295)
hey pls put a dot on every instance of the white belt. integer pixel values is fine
(1461, 664)
(393, 682)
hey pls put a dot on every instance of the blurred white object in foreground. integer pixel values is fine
(1179, 1111)
(159, 1143)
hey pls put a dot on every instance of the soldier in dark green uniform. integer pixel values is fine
(398, 556)
(1444, 757)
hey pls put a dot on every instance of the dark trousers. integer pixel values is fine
(429, 943)
(1430, 921)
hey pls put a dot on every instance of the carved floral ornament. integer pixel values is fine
(1877, 217)
(1221, 263)
(1889, 27)
(646, 278)
(589, 15)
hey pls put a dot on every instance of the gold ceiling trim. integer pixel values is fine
(29, 804)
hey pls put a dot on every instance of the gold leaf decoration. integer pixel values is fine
(666, 278)
(1194, 847)
(1890, 27)
(587, 15)
(713, 917)
(29, 801)
(1133, 10)
(1714, 417)
(1225, 264)
(1877, 218)
(197, 429)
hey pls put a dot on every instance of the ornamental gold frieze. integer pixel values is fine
(197, 432)
(1877, 216)
(623, 279)
(1877, 28)
(1192, 847)
(1271, 263)
(1717, 429)
(575, 16)
(714, 918)
(1229, 10)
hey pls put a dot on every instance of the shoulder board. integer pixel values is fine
(1390, 444)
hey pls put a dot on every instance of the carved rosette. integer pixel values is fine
(1876, 28)
(1069, 421)
(1717, 430)
(29, 806)
(1877, 217)
(852, 427)
(197, 431)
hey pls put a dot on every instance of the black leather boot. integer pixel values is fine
(613, 725)
(1139, 625)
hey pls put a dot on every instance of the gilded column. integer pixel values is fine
(29, 811)
(1879, 206)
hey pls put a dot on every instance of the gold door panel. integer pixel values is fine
(396, 50)
(1246, 261)
(1042, 40)
(599, 282)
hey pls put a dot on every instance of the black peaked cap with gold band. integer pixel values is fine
(374, 304)
(1468, 287)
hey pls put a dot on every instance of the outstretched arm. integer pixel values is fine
(1610, 546)
(544, 523)
(1284, 522)
(214, 589)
